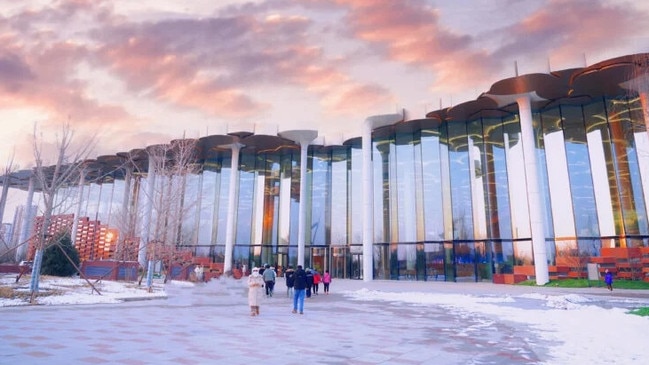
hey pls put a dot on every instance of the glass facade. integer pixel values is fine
(451, 200)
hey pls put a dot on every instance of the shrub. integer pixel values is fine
(56, 263)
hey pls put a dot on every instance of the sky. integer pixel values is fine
(138, 73)
(579, 327)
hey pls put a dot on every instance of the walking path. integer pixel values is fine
(210, 324)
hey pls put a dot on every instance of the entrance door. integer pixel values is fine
(356, 269)
(320, 259)
(339, 262)
(282, 263)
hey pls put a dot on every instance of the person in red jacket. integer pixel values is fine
(316, 281)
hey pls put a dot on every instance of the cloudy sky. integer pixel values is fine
(148, 71)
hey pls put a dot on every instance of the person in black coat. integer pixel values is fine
(309, 282)
(289, 275)
(299, 285)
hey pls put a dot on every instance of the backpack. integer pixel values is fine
(269, 275)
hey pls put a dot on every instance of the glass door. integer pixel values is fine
(339, 262)
(356, 269)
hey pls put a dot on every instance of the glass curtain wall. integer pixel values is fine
(450, 199)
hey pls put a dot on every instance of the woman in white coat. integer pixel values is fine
(255, 283)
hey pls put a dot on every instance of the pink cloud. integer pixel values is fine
(563, 28)
(355, 98)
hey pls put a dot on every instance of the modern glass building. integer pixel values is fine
(537, 165)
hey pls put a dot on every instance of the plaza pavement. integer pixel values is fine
(210, 324)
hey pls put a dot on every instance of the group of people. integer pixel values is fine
(300, 283)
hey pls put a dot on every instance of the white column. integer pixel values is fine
(26, 221)
(233, 197)
(370, 123)
(533, 190)
(368, 201)
(524, 101)
(147, 213)
(301, 225)
(304, 138)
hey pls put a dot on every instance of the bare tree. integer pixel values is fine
(569, 254)
(169, 201)
(51, 176)
(9, 168)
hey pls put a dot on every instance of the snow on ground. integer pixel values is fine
(582, 329)
(74, 290)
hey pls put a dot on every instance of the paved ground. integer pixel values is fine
(210, 324)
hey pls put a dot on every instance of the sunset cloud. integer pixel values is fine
(148, 71)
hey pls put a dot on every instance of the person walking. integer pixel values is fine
(289, 275)
(309, 282)
(317, 278)
(255, 283)
(608, 279)
(300, 289)
(326, 280)
(269, 279)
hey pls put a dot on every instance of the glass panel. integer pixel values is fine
(627, 169)
(116, 209)
(319, 194)
(483, 258)
(515, 164)
(449, 261)
(557, 172)
(445, 176)
(267, 199)
(284, 200)
(222, 187)
(465, 261)
(581, 182)
(338, 209)
(477, 178)
(381, 182)
(434, 261)
(461, 169)
(190, 208)
(406, 260)
(382, 257)
(340, 262)
(294, 161)
(432, 185)
(523, 254)
(207, 212)
(600, 150)
(503, 257)
(637, 163)
(403, 186)
(497, 209)
(244, 223)
(420, 265)
(356, 197)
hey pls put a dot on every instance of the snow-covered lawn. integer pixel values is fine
(61, 291)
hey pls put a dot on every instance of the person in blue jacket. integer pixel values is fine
(608, 279)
